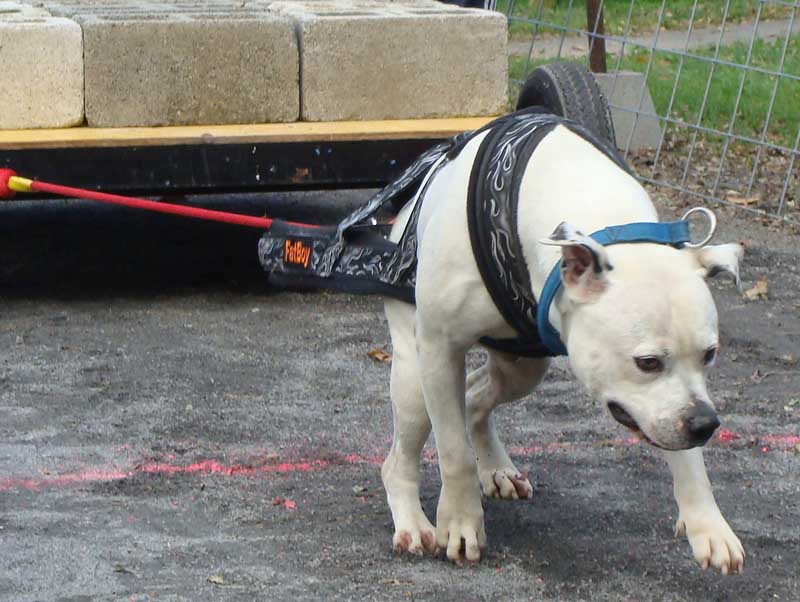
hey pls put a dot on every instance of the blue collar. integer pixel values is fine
(665, 233)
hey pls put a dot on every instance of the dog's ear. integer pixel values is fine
(584, 263)
(719, 259)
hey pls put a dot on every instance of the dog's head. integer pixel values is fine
(641, 329)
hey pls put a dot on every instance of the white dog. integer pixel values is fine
(638, 321)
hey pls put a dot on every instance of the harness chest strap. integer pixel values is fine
(492, 205)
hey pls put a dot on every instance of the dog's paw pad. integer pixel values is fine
(402, 541)
(509, 484)
(523, 486)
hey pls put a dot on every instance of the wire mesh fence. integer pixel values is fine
(722, 96)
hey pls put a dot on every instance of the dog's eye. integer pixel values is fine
(649, 363)
(709, 356)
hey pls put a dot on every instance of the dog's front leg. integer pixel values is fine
(459, 516)
(713, 541)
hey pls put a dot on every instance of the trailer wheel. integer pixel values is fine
(570, 91)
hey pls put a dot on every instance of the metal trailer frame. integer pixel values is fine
(237, 158)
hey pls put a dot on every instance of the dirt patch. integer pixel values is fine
(746, 181)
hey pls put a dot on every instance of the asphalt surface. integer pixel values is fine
(171, 429)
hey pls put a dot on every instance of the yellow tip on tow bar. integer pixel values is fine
(19, 184)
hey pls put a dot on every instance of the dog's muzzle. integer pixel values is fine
(625, 419)
(621, 416)
(696, 426)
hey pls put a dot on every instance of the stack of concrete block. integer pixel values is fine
(177, 62)
(378, 60)
(42, 59)
(152, 63)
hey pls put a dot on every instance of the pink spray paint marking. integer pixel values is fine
(287, 504)
(765, 443)
(215, 467)
(781, 440)
(205, 467)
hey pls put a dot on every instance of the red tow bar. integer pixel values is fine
(11, 183)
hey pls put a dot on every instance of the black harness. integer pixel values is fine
(492, 205)
(357, 257)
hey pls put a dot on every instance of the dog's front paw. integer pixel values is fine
(713, 541)
(459, 525)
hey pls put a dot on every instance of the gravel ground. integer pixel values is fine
(170, 429)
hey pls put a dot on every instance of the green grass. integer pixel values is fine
(756, 92)
(644, 15)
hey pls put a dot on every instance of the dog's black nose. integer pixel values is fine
(701, 424)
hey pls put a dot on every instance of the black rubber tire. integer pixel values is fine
(570, 91)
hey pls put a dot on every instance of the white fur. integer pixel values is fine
(652, 303)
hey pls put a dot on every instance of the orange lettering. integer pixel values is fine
(296, 252)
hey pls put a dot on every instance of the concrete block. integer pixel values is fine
(43, 61)
(178, 65)
(624, 97)
(74, 8)
(91, 7)
(375, 60)
(18, 11)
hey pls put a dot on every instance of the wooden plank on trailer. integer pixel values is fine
(335, 131)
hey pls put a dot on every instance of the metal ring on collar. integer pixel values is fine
(712, 225)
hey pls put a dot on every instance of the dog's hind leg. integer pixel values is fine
(413, 532)
(503, 378)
